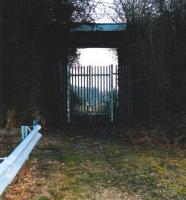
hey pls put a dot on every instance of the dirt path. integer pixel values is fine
(88, 166)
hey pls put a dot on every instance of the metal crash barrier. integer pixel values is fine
(11, 165)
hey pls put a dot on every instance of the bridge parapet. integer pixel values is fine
(100, 27)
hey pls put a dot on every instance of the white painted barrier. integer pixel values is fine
(13, 163)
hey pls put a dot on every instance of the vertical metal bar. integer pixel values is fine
(111, 106)
(71, 81)
(101, 93)
(104, 88)
(120, 91)
(114, 88)
(95, 85)
(98, 88)
(81, 87)
(103, 84)
(72, 76)
(84, 98)
(79, 108)
(75, 80)
(95, 89)
(34, 123)
(106, 106)
(106, 92)
(89, 83)
(92, 86)
(88, 88)
(78, 89)
(68, 93)
(109, 92)
(22, 132)
(117, 93)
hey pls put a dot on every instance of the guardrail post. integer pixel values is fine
(35, 123)
(24, 132)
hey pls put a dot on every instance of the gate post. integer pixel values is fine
(112, 96)
(68, 93)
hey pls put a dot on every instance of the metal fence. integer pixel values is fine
(92, 90)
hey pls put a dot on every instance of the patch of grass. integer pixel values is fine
(43, 198)
(75, 167)
(71, 159)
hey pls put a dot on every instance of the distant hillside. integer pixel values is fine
(91, 94)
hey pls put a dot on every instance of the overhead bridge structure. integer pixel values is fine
(82, 35)
(47, 58)
(100, 35)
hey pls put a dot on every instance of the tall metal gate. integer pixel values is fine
(92, 90)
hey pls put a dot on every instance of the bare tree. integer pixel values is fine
(157, 45)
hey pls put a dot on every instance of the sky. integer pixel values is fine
(102, 9)
(99, 56)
